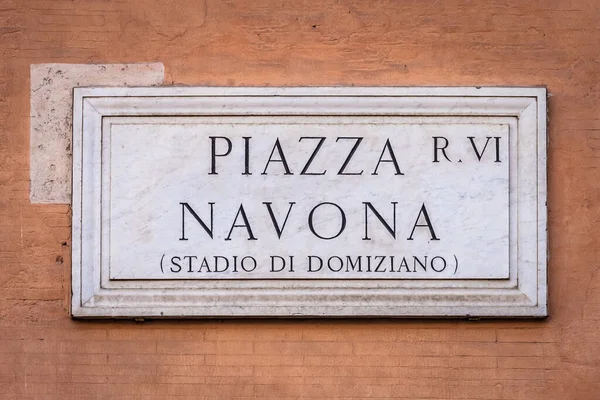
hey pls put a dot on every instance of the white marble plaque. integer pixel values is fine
(224, 202)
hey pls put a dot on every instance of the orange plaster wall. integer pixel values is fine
(44, 354)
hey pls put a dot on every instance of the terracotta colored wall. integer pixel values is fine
(44, 354)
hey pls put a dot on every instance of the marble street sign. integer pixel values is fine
(248, 202)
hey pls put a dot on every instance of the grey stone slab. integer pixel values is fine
(51, 116)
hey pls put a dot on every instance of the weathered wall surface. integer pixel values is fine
(44, 354)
